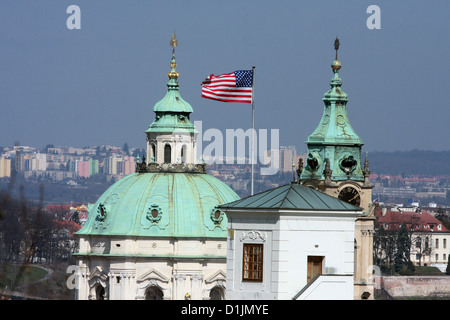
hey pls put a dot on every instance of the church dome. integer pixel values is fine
(162, 205)
(170, 195)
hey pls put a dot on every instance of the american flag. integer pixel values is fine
(229, 87)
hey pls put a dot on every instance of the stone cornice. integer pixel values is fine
(171, 167)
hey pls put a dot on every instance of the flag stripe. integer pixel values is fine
(227, 97)
(229, 87)
(244, 96)
(225, 91)
(228, 94)
(225, 100)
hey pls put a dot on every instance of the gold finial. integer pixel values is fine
(173, 65)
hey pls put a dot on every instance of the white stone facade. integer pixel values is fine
(288, 239)
(182, 145)
(141, 268)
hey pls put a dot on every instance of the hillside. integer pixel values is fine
(416, 162)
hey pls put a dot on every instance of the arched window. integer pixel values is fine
(154, 293)
(183, 154)
(153, 155)
(216, 294)
(167, 154)
(99, 293)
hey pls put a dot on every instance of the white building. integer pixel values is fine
(39, 162)
(291, 242)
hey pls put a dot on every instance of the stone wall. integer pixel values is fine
(417, 286)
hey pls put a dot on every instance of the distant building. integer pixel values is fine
(39, 162)
(430, 239)
(83, 169)
(285, 159)
(5, 167)
(93, 167)
(128, 165)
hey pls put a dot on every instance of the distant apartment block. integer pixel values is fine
(287, 157)
(87, 168)
(39, 162)
(83, 169)
(93, 167)
(5, 167)
(119, 165)
(402, 192)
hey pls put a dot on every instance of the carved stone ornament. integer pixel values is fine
(154, 213)
(312, 163)
(327, 172)
(101, 212)
(216, 215)
(348, 164)
(253, 235)
(100, 219)
(171, 167)
(314, 160)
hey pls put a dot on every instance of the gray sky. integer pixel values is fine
(98, 85)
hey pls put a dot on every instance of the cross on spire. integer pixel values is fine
(173, 44)
(336, 46)
(173, 74)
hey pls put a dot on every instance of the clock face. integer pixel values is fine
(350, 195)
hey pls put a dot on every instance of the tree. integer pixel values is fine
(402, 255)
(384, 242)
(443, 216)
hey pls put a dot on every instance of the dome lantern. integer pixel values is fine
(171, 136)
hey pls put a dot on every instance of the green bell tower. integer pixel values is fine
(334, 139)
(334, 166)
(334, 150)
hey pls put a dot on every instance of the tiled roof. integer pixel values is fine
(292, 196)
(419, 221)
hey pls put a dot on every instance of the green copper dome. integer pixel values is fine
(161, 205)
(167, 198)
(172, 101)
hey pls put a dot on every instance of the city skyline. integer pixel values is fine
(97, 85)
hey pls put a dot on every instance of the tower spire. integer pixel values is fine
(334, 148)
(171, 136)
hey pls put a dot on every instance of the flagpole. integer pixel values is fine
(253, 127)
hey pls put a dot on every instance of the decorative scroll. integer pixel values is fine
(253, 235)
